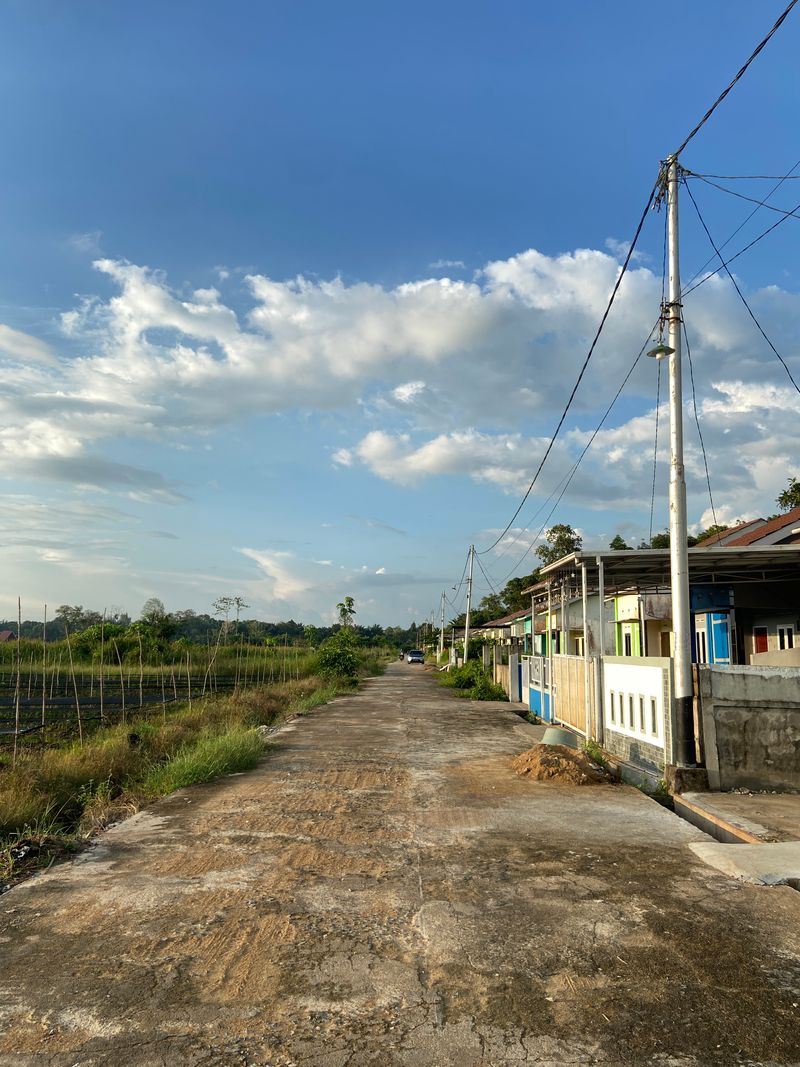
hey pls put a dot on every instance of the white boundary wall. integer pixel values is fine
(637, 706)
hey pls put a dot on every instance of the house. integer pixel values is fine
(779, 530)
(603, 642)
(7, 635)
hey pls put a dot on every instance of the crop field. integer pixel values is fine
(47, 695)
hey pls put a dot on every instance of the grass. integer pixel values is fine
(473, 682)
(54, 798)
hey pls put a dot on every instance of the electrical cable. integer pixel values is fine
(791, 175)
(792, 214)
(747, 177)
(741, 252)
(585, 450)
(589, 355)
(488, 579)
(756, 52)
(735, 284)
(697, 423)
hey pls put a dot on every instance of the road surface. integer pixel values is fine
(384, 890)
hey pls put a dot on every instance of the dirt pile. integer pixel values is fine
(557, 763)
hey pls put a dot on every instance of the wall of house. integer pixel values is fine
(751, 726)
(643, 687)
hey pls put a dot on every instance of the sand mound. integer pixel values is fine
(557, 763)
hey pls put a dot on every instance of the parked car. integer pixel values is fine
(415, 656)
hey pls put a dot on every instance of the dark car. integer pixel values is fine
(415, 656)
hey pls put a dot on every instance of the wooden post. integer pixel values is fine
(17, 693)
(121, 677)
(44, 670)
(75, 687)
(102, 667)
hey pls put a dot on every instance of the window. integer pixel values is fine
(626, 638)
(785, 637)
(612, 706)
(631, 720)
(653, 716)
(642, 726)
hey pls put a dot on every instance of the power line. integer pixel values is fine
(742, 196)
(689, 287)
(735, 284)
(748, 177)
(697, 423)
(589, 354)
(585, 450)
(756, 52)
(488, 579)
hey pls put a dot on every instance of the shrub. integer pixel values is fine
(472, 681)
(338, 656)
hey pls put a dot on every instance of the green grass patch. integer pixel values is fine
(203, 760)
(473, 682)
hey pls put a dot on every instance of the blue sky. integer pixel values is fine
(183, 417)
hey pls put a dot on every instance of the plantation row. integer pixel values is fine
(53, 696)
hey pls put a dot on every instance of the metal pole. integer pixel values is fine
(550, 649)
(441, 630)
(678, 551)
(469, 603)
(586, 698)
(599, 697)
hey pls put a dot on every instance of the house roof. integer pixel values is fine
(729, 535)
(506, 620)
(789, 520)
(7, 635)
(649, 569)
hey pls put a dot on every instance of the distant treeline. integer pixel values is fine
(201, 628)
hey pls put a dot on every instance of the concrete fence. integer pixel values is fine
(751, 726)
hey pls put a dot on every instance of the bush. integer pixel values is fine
(338, 656)
(472, 681)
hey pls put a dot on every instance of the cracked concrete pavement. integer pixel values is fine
(384, 890)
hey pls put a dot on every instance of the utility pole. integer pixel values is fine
(678, 550)
(469, 602)
(441, 629)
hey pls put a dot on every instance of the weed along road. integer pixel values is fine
(383, 889)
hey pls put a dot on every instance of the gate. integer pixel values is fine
(573, 692)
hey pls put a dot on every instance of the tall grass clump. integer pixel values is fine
(473, 682)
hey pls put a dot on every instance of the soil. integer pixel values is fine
(381, 891)
(558, 763)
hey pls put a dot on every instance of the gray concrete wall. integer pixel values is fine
(751, 726)
(646, 757)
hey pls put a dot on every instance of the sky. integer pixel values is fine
(292, 294)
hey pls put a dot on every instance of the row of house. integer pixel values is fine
(594, 649)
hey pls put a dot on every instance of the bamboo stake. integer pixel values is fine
(189, 680)
(44, 670)
(163, 696)
(17, 692)
(121, 677)
(141, 671)
(102, 667)
(75, 687)
(174, 682)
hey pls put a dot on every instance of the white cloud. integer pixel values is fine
(424, 360)
(21, 347)
(443, 264)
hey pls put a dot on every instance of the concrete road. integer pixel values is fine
(384, 890)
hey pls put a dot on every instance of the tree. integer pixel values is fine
(238, 602)
(153, 611)
(789, 498)
(711, 532)
(618, 543)
(561, 541)
(347, 611)
(660, 540)
(311, 634)
(222, 606)
(514, 598)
